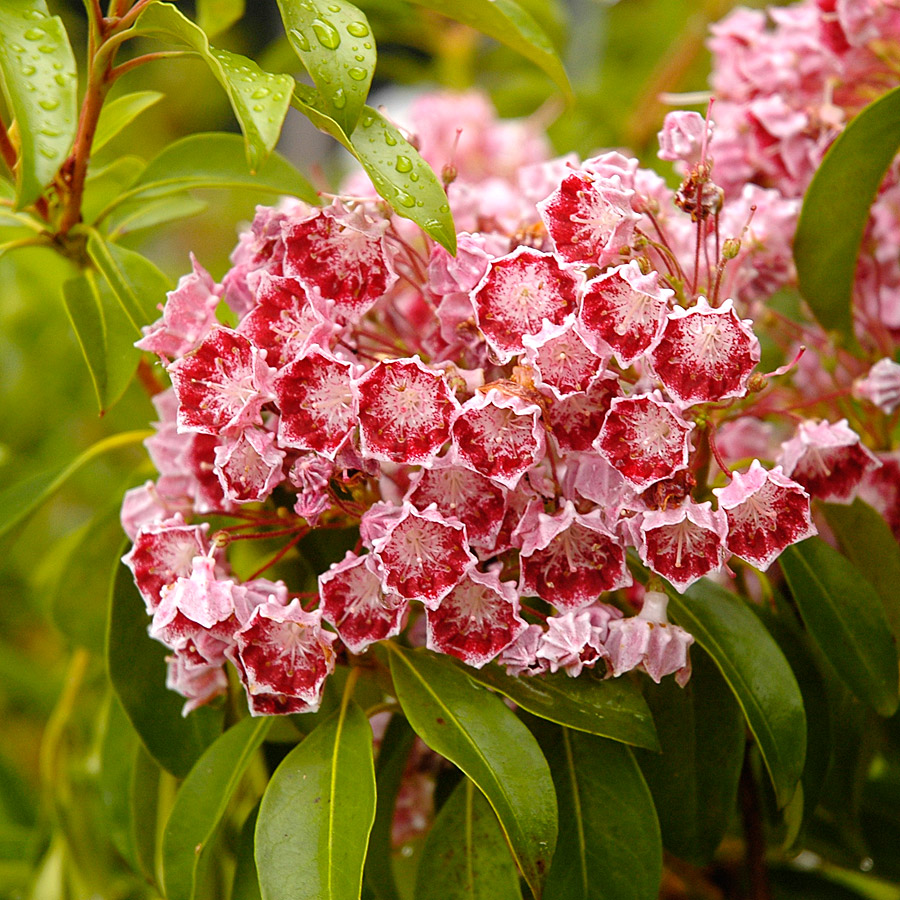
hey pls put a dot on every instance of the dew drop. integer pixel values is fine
(34, 34)
(444, 208)
(406, 200)
(60, 80)
(17, 48)
(366, 121)
(334, 8)
(47, 152)
(326, 34)
(357, 73)
(404, 164)
(49, 132)
(48, 105)
(28, 70)
(359, 57)
(414, 176)
(367, 46)
(258, 107)
(390, 140)
(57, 66)
(358, 29)
(34, 14)
(339, 99)
(259, 93)
(47, 48)
(300, 39)
(420, 202)
(278, 95)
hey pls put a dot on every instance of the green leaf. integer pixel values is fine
(506, 21)
(396, 169)
(475, 730)
(143, 793)
(118, 114)
(316, 814)
(260, 100)
(41, 90)
(137, 670)
(245, 885)
(200, 804)
(216, 16)
(836, 208)
(392, 757)
(103, 185)
(757, 673)
(105, 334)
(150, 213)
(138, 285)
(609, 842)
(20, 500)
(694, 780)
(335, 44)
(846, 620)
(871, 546)
(613, 708)
(213, 160)
(466, 856)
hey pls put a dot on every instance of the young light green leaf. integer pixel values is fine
(846, 620)
(835, 211)
(20, 500)
(200, 804)
(216, 16)
(757, 673)
(609, 841)
(335, 44)
(212, 160)
(506, 21)
(260, 100)
(137, 284)
(466, 856)
(694, 780)
(613, 709)
(392, 757)
(150, 213)
(871, 546)
(118, 114)
(316, 814)
(137, 670)
(41, 90)
(475, 730)
(104, 184)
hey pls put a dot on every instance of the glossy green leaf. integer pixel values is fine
(41, 90)
(316, 814)
(118, 114)
(396, 169)
(213, 160)
(475, 730)
(200, 804)
(245, 885)
(871, 546)
(466, 856)
(614, 708)
(757, 673)
(694, 779)
(106, 335)
(335, 44)
(137, 670)
(20, 500)
(836, 208)
(138, 285)
(609, 841)
(846, 620)
(260, 100)
(103, 185)
(150, 213)
(390, 766)
(143, 793)
(506, 21)
(216, 16)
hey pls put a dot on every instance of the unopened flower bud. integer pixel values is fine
(221, 539)
(448, 174)
(756, 383)
(730, 248)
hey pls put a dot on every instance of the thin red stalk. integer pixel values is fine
(261, 535)
(295, 540)
(10, 157)
(141, 60)
(699, 231)
(714, 449)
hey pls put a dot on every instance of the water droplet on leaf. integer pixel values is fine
(49, 105)
(326, 34)
(404, 164)
(300, 39)
(259, 93)
(390, 140)
(34, 34)
(358, 29)
(338, 99)
(406, 200)
(357, 73)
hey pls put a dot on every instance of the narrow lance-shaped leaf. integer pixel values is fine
(836, 208)
(316, 814)
(118, 114)
(151, 213)
(612, 708)
(756, 671)
(465, 855)
(200, 804)
(506, 21)
(335, 44)
(475, 730)
(212, 160)
(137, 670)
(845, 618)
(41, 91)
(260, 100)
(609, 841)
(396, 169)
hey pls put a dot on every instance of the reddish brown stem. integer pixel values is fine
(10, 157)
(296, 539)
(140, 60)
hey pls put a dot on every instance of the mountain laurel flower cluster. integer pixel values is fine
(580, 392)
